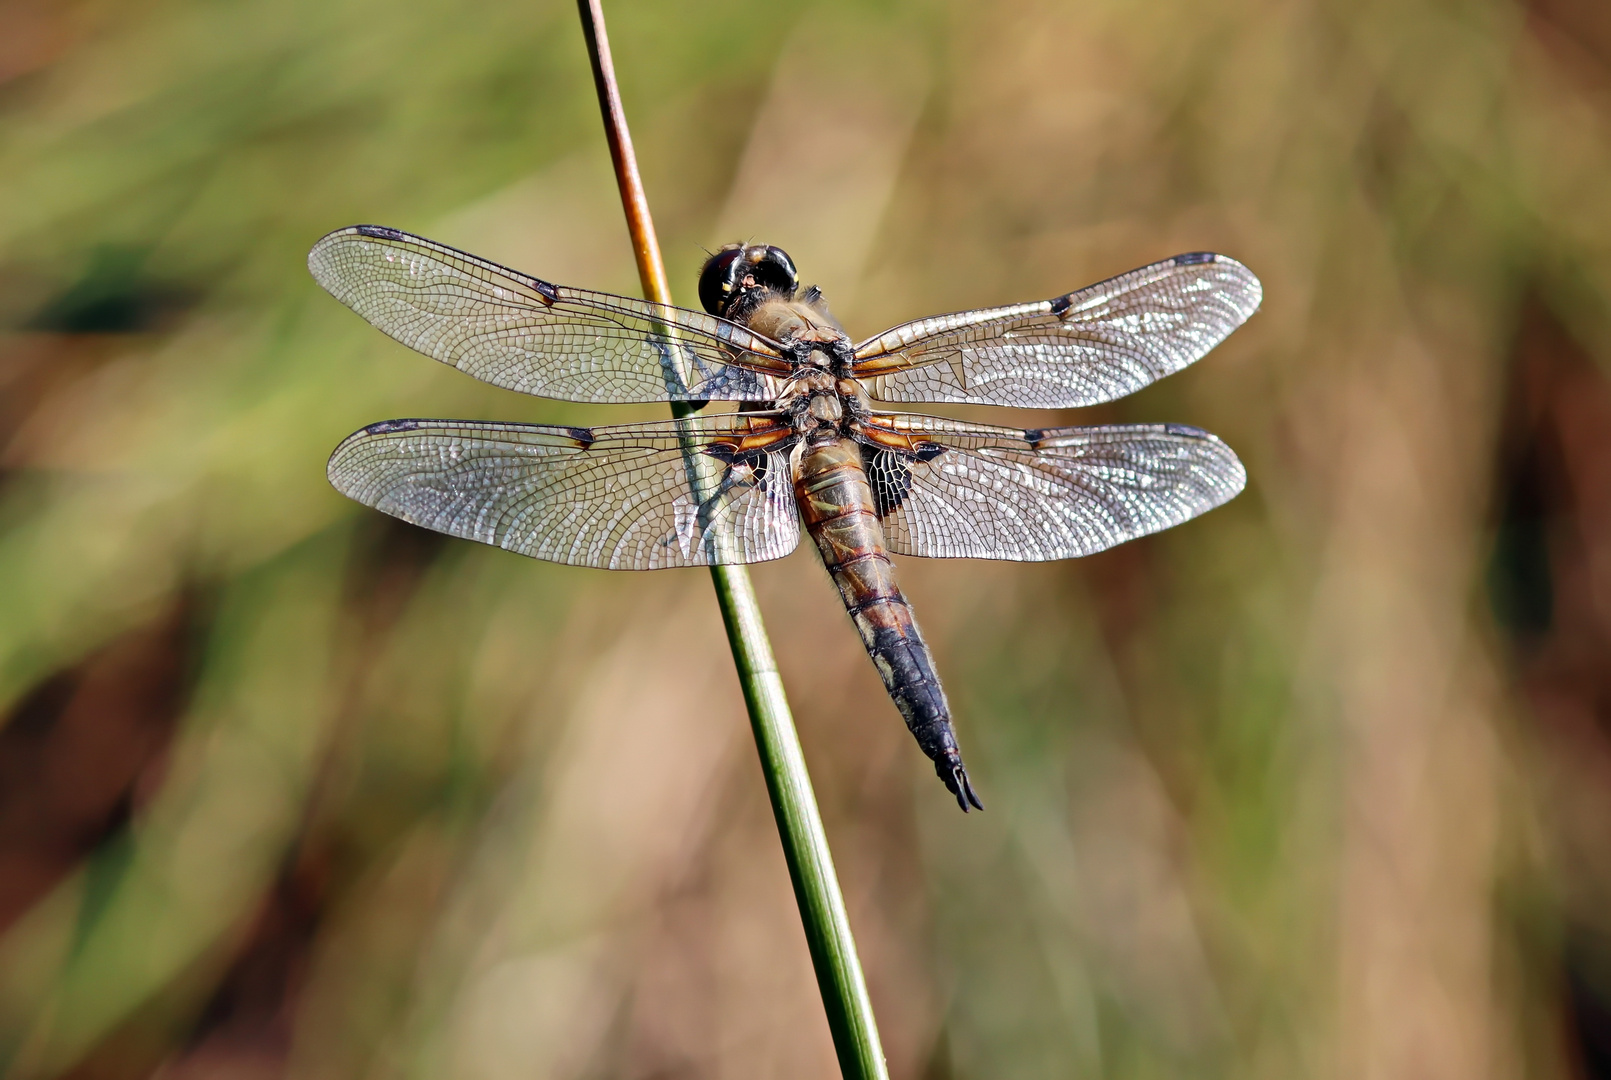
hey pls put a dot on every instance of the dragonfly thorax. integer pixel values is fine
(826, 408)
(815, 400)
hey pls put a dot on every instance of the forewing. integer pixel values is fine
(1090, 346)
(525, 334)
(632, 497)
(948, 489)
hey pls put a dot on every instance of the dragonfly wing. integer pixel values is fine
(948, 489)
(1090, 346)
(688, 492)
(525, 334)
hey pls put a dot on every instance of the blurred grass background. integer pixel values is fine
(1316, 786)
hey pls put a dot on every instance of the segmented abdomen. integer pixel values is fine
(836, 503)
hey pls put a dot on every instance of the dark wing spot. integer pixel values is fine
(1033, 436)
(888, 476)
(759, 462)
(1060, 306)
(380, 231)
(386, 427)
(545, 290)
(583, 436)
(1191, 258)
(928, 451)
(1187, 430)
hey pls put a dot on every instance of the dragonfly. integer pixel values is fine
(804, 447)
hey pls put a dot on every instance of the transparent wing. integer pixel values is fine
(525, 334)
(948, 489)
(1090, 346)
(692, 492)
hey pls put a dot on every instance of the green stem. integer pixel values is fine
(805, 843)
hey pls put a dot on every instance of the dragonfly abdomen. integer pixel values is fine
(836, 502)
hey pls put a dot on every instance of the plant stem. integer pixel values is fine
(805, 844)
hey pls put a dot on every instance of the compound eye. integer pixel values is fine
(719, 277)
(773, 268)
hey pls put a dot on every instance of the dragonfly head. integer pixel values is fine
(747, 273)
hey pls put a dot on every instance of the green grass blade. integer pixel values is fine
(805, 843)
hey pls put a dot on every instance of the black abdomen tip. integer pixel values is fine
(955, 777)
